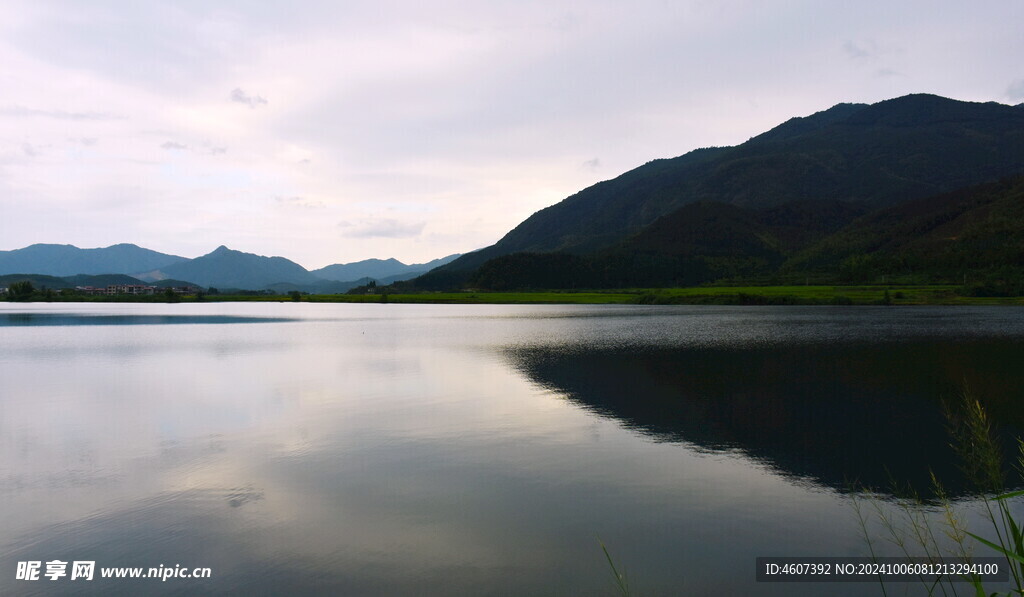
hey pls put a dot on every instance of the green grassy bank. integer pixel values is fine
(712, 295)
(701, 295)
(496, 298)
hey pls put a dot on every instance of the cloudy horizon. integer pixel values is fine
(331, 132)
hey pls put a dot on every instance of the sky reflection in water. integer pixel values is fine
(440, 450)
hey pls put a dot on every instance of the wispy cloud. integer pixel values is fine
(592, 165)
(888, 72)
(870, 49)
(237, 95)
(297, 201)
(856, 51)
(23, 112)
(206, 148)
(382, 228)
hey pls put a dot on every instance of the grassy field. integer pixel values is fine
(714, 295)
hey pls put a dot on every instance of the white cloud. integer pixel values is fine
(382, 228)
(241, 97)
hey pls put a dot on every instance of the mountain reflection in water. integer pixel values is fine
(842, 415)
(69, 319)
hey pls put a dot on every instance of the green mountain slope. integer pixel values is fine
(101, 280)
(696, 243)
(39, 281)
(970, 233)
(973, 235)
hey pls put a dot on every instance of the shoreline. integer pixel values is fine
(710, 295)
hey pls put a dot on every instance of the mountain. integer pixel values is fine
(103, 280)
(387, 270)
(368, 268)
(720, 240)
(171, 283)
(698, 242)
(38, 280)
(68, 260)
(973, 236)
(872, 156)
(319, 287)
(226, 268)
(57, 283)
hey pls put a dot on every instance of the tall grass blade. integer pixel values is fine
(620, 577)
(999, 548)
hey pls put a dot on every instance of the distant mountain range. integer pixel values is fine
(222, 268)
(68, 260)
(770, 206)
(382, 270)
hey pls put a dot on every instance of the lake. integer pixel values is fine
(382, 449)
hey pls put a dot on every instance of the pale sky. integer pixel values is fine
(335, 131)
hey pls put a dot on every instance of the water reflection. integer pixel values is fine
(393, 450)
(70, 319)
(842, 415)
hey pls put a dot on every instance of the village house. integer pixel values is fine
(133, 289)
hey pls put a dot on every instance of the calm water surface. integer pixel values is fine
(308, 449)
